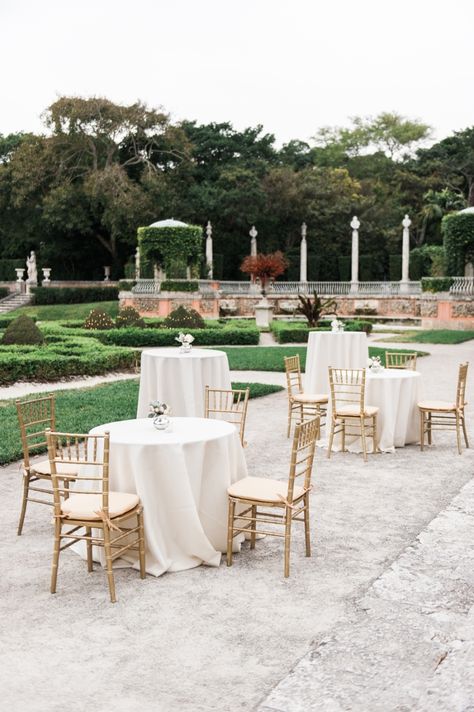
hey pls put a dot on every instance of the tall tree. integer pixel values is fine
(452, 160)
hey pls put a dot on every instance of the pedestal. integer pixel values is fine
(264, 313)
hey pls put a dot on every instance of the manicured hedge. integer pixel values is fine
(166, 337)
(171, 285)
(436, 284)
(61, 359)
(294, 333)
(73, 295)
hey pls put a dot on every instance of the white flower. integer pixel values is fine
(184, 338)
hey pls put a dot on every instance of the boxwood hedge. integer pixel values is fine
(73, 295)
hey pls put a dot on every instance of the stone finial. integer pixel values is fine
(406, 222)
(253, 232)
(304, 228)
(209, 229)
(355, 223)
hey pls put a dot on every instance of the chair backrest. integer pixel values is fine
(293, 375)
(347, 388)
(34, 417)
(229, 405)
(461, 387)
(302, 455)
(90, 456)
(397, 359)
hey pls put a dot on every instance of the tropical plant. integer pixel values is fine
(314, 309)
(264, 267)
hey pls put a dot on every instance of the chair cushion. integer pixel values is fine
(310, 398)
(437, 405)
(353, 410)
(85, 506)
(261, 489)
(43, 468)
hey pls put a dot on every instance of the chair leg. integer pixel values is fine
(374, 434)
(290, 410)
(108, 562)
(331, 437)
(429, 428)
(422, 430)
(463, 421)
(306, 525)
(319, 415)
(362, 434)
(141, 544)
(253, 533)
(24, 502)
(287, 540)
(90, 566)
(57, 543)
(458, 432)
(343, 435)
(230, 531)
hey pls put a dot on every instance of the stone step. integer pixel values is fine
(14, 302)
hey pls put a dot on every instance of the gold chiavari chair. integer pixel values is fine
(257, 493)
(302, 406)
(91, 505)
(34, 416)
(349, 408)
(397, 359)
(445, 415)
(230, 405)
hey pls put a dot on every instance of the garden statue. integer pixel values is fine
(31, 268)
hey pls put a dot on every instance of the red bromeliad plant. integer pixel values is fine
(264, 267)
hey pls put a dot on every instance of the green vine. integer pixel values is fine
(174, 248)
(458, 235)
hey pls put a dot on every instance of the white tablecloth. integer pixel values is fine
(181, 477)
(180, 379)
(347, 349)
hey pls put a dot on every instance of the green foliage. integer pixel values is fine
(166, 337)
(82, 409)
(61, 358)
(4, 292)
(129, 317)
(170, 285)
(458, 234)
(358, 325)
(395, 262)
(344, 264)
(126, 285)
(98, 320)
(7, 269)
(172, 247)
(436, 284)
(22, 330)
(434, 336)
(58, 312)
(73, 295)
(287, 332)
(427, 261)
(184, 318)
(314, 309)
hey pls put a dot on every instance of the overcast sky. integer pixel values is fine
(292, 66)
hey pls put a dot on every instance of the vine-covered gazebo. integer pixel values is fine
(170, 249)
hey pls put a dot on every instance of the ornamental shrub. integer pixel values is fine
(171, 285)
(184, 318)
(436, 284)
(172, 247)
(166, 337)
(128, 316)
(73, 295)
(458, 237)
(98, 319)
(22, 330)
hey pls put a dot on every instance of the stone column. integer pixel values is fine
(253, 241)
(406, 222)
(303, 255)
(209, 255)
(137, 263)
(355, 225)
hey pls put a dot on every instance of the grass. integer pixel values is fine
(58, 312)
(433, 336)
(79, 410)
(270, 358)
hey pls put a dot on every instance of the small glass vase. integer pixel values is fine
(161, 422)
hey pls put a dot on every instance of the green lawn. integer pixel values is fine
(58, 312)
(79, 410)
(270, 358)
(433, 336)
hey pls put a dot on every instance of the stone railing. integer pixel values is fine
(152, 286)
(462, 286)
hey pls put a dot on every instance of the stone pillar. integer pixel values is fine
(355, 225)
(137, 263)
(406, 222)
(253, 241)
(209, 255)
(107, 274)
(303, 255)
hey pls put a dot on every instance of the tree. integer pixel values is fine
(452, 161)
(265, 268)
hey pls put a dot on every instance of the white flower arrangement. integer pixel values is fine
(375, 364)
(185, 340)
(337, 326)
(158, 408)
